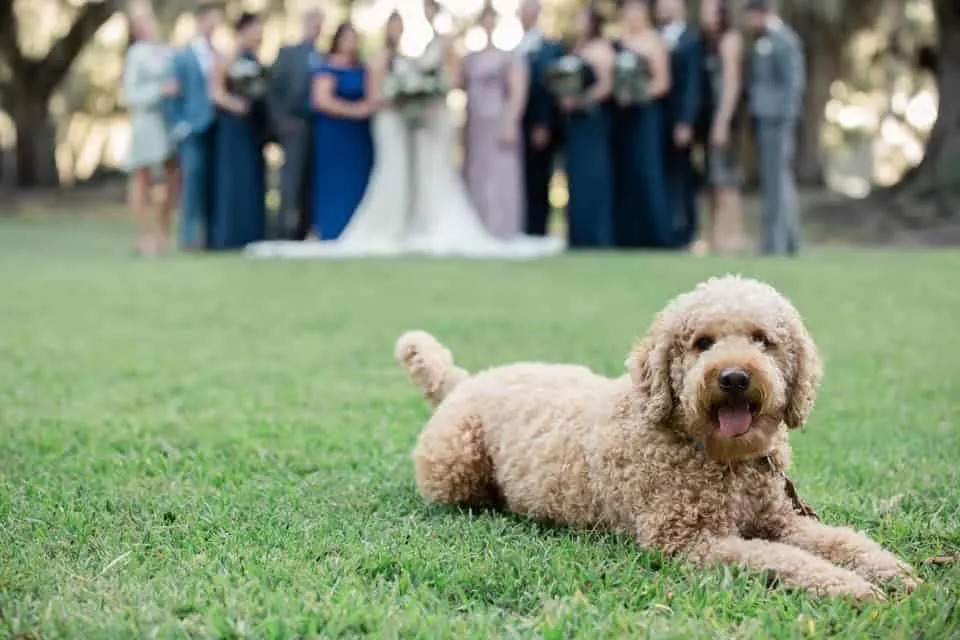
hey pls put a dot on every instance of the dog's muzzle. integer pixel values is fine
(734, 412)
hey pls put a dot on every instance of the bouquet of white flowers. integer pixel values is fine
(247, 78)
(410, 88)
(631, 77)
(565, 78)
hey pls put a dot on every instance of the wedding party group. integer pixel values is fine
(369, 144)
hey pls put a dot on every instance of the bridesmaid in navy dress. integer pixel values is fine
(239, 215)
(588, 154)
(642, 210)
(342, 143)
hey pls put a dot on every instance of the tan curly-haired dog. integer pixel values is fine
(687, 452)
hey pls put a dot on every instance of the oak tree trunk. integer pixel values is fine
(928, 197)
(930, 193)
(31, 82)
(823, 68)
(938, 175)
(35, 151)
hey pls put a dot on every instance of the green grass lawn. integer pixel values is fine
(215, 447)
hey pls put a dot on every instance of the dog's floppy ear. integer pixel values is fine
(808, 371)
(649, 367)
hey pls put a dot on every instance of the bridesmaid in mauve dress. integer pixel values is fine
(496, 85)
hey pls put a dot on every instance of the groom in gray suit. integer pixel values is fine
(777, 80)
(288, 102)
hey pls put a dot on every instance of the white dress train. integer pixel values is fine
(416, 202)
(380, 222)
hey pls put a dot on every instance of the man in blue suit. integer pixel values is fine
(682, 109)
(541, 130)
(193, 116)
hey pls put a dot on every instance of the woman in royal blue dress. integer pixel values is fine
(342, 144)
(642, 209)
(588, 154)
(238, 87)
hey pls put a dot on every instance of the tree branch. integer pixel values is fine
(9, 37)
(54, 67)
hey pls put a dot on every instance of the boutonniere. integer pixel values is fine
(764, 46)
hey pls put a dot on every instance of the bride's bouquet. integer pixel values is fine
(631, 77)
(412, 87)
(565, 78)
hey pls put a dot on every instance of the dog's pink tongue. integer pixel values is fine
(734, 420)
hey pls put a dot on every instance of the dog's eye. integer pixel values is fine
(760, 338)
(703, 343)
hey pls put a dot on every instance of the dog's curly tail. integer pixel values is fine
(429, 364)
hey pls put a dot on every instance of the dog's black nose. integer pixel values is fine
(734, 381)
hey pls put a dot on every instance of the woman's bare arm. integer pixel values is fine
(453, 64)
(376, 75)
(659, 68)
(601, 57)
(517, 88)
(731, 54)
(223, 98)
(323, 97)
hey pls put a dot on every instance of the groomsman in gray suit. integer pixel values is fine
(288, 102)
(777, 79)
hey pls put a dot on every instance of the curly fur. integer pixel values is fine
(643, 453)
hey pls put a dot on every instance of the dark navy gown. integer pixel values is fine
(589, 168)
(642, 204)
(240, 210)
(343, 156)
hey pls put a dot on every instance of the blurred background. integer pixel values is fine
(880, 141)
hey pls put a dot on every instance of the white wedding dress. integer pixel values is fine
(416, 202)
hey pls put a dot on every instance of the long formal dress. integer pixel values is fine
(723, 165)
(642, 207)
(681, 107)
(541, 112)
(240, 214)
(343, 156)
(589, 168)
(493, 171)
(146, 70)
(417, 201)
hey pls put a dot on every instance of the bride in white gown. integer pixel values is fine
(416, 201)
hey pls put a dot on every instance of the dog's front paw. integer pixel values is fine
(855, 588)
(902, 581)
(892, 572)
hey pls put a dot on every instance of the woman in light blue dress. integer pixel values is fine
(146, 84)
(342, 142)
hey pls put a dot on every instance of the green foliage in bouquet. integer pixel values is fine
(247, 79)
(565, 78)
(411, 90)
(631, 79)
